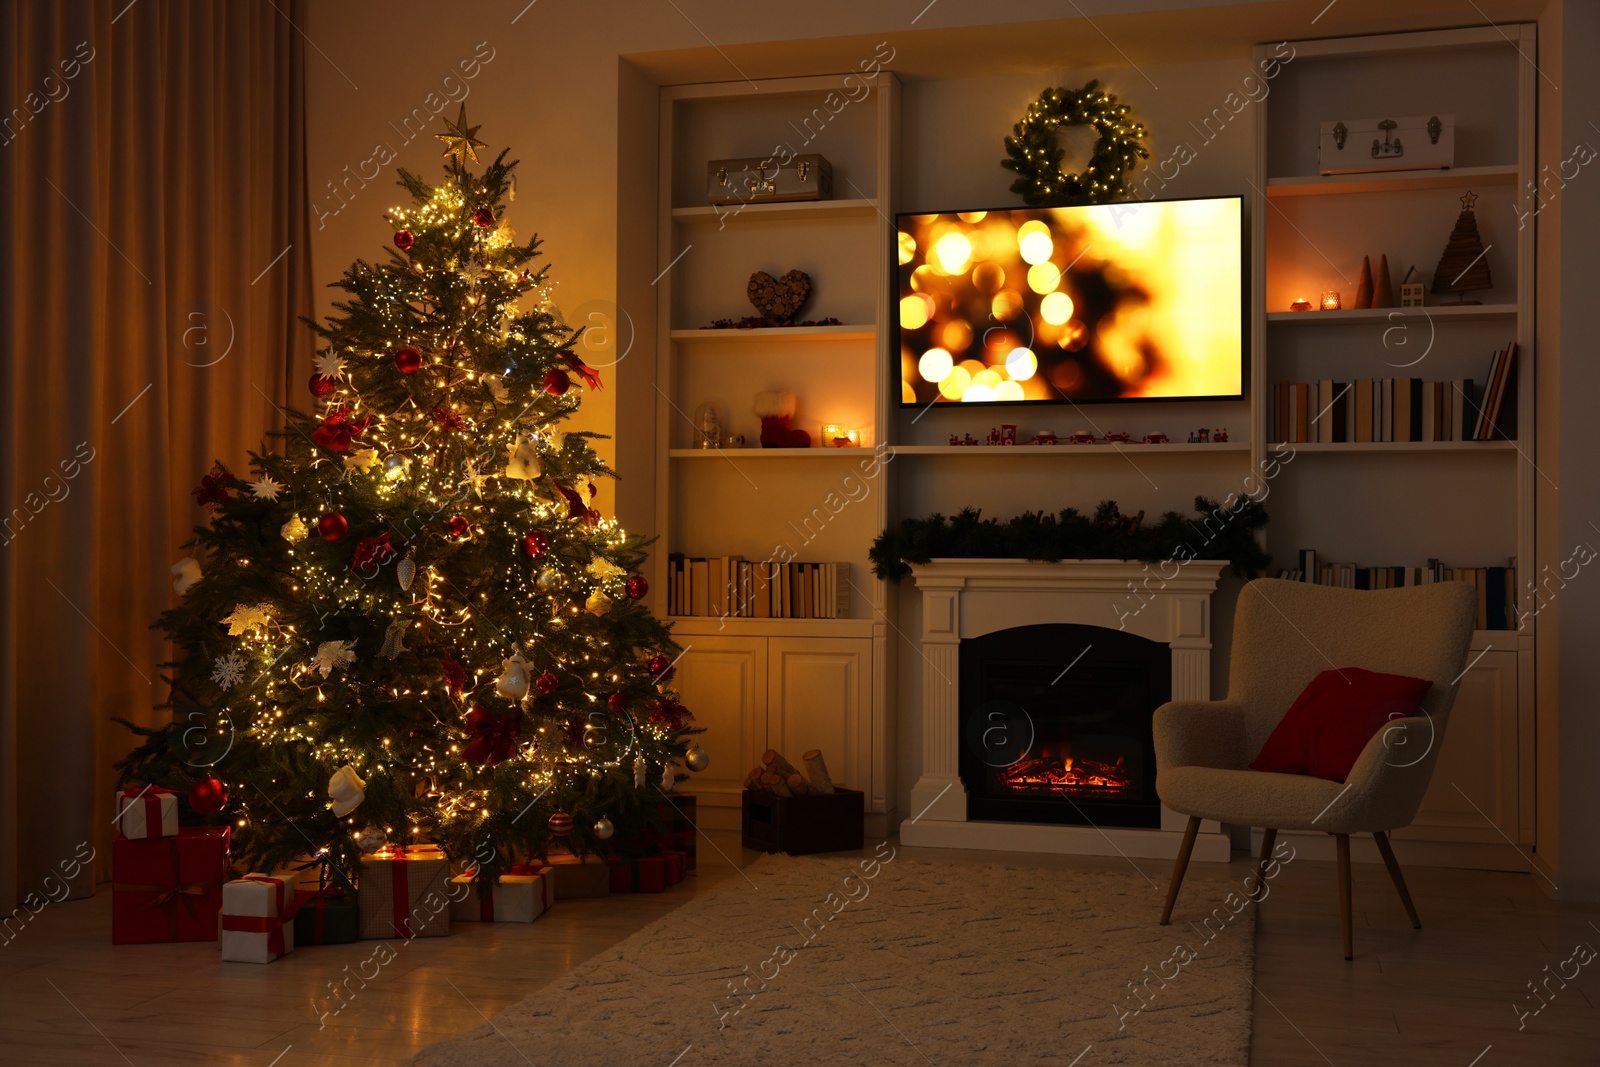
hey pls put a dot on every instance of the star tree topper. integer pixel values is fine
(461, 140)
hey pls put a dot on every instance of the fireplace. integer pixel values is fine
(1055, 725)
(1150, 628)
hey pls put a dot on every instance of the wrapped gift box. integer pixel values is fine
(148, 812)
(326, 917)
(257, 919)
(646, 874)
(168, 888)
(574, 877)
(521, 896)
(674, 865)
(404, 892)
(674, 830)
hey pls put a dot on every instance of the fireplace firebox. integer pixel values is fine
(1056, 725)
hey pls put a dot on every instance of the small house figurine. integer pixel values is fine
(1219, 437)
(1411, 290)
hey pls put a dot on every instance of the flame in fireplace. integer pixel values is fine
(1056, 772)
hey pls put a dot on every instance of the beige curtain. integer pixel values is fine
(153, 222)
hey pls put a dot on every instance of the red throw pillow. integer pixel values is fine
(1333, 718)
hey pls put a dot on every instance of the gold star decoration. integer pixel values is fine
(462, 140)
(1469, 200)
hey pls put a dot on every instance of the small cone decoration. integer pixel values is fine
(1364, 286)
(1383, 288)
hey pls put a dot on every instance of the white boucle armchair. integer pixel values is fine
(1284, 635)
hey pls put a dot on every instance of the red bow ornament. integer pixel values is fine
(492, 739)
(337, 430)
(372, 553)
(213, 488)
(590, 376)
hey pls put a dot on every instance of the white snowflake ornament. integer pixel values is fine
(522, 461)
(246, 618)
(265, 488)
(603, 570)
(330, 365)
(555, 441)
(473, 476)
(333, 655)
(228, 671)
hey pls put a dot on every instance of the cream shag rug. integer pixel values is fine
(830, 962)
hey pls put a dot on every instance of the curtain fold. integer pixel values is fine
(152, 181)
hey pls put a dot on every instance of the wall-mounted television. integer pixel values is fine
(1100, 303)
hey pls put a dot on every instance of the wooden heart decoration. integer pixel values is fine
(779, 299)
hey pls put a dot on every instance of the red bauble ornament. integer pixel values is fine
(535, 545)
(560, 824)
(321, 385)
(208, 796)
(661, 669)
(636, 587)
(547, 683)
(403, 240)
(617, 702)
(459, 526)
(408, 360)
(333, 526)
(556, 381)
(484, 217)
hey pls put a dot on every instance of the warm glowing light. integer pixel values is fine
(971, 216)
(935, 364)
(915, 311)
(1033, 242)
(953, 251)
(1006, 304)
(955, 335)
(908, 247)
(978, 394)
(955, 383)
(987, 377)
(1056, 308)
(1330, 300)
(988, 277)
(1008, 391)
(1021, 364)
(1043, 277)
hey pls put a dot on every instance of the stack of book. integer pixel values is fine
(734, 587)
(1496, 586)
(1400, 409)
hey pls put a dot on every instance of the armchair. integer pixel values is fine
(1285, 634)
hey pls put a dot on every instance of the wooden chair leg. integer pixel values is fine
(1398, 878)
(1179, 866)
(1269, 837)
(1343, 842)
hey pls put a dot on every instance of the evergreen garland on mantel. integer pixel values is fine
(1216, 532)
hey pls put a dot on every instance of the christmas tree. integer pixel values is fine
(411, 624)
(1463, 267)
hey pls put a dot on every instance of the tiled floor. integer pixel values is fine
(1448, 994)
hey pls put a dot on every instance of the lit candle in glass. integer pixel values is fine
(1330, 300)
(836, 436)
(1300, 304)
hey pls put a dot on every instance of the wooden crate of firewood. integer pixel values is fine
(787, 811)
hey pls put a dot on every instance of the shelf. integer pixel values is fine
(1176, 447)
(846, 332)
(757, 452)
(686, 627)
(1395, 446)
(1391, 181)
(800, 209)
(1356, 316)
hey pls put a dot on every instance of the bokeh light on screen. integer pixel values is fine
(1113, 301)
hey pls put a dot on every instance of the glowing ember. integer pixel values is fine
(1073, 777)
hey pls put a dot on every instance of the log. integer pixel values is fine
(752, 780)
(818, 770)
(773, 784)
(775, 762)
(797, 784)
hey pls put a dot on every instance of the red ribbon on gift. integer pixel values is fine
(317, 901)
(270, 925)
(396, 856)
(151, 795)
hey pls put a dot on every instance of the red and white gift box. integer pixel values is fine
(523, 893)
(147, 812)
(257, 919)
(403, 893)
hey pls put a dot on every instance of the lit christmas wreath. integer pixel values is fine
(1036, 157)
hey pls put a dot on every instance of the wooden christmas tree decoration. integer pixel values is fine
(1383, 288)
(1463, 267)
(1364, 286)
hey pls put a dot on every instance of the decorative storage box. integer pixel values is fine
(1407, 142)
(148, 812)
(523, 893)
(576, 878)
(404, 892)
(257, 911)
(755, 180)
(646, 874)
(168, 888)
(326, 917)
(820, 822)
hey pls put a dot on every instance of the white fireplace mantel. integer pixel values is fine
(966, 598)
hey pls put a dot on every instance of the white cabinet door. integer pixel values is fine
(722, 680)
(1473, 795)
(819, 696)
